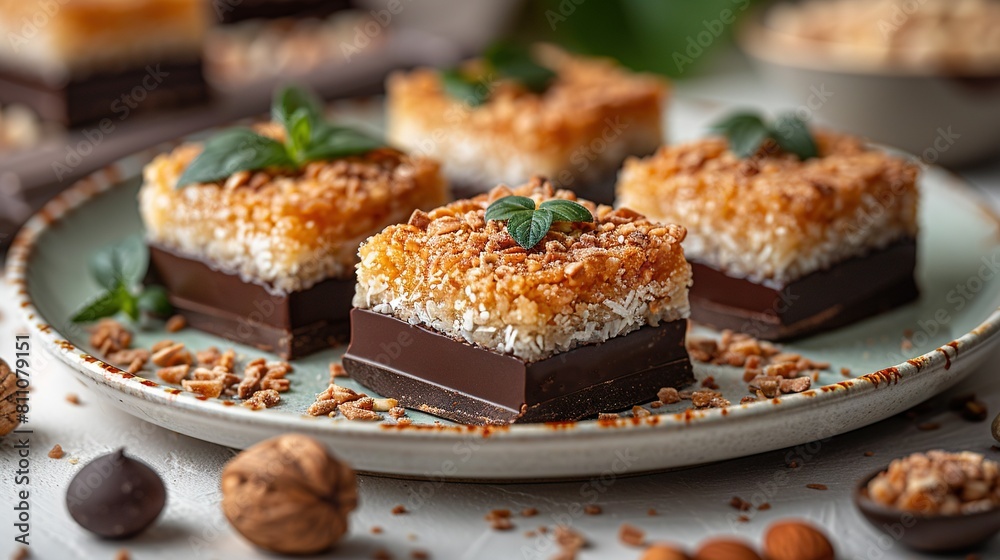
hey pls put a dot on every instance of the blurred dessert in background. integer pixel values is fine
(948, 36)
(266, 49)
(80, 61)
(515, 113)
(230, 11)
(21, 128)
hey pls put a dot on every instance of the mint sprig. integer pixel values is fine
(747, 132)
(308, 138)
(120, 269)
(503, 60)
(528, 224)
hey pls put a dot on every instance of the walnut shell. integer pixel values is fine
(8, 399)
(288, 495)
(796, 540)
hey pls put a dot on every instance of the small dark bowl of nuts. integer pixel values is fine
(935, 501)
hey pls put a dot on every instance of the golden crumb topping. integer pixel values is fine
(454, 271)
(774, 216)
(286, 227)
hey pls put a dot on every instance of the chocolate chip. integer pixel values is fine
(115, 496)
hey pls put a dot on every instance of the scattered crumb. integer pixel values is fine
(928, 426)
(263, 399)
(569, 541)
(399, 510)
(73, 460)
(529, 512)
(337, 370)
(906, 345)
(969, 408)
(793, 464)
(740, 504)
(846, 372)
(123, 554)
(817, 486)
(56, 452)
(640, 412)
(592, 509)
(381, 554)
(668, 395)
(631, 535)
(709, 382)
(22, 553)
(651, 512)
(869, 453)
(743, 519)
(500, 523)
(174, 375)
(176, 323)
(376, 530)
(607, 416)
(764, 507)
(420, 555)
(71, 398)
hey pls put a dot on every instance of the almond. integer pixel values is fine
(725, 549)
(664, 552)
(796, 540)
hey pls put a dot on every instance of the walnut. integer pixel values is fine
(288, 495)
(8, 399)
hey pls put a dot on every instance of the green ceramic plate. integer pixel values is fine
(953, 324)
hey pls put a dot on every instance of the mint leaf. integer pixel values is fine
(747, 132)
(154, 300)
(567, 211)
(104, 305)
(509, 206)
(527, 224)
(516, 63)
(290, 101)
(528, 229)
(792, 136)
(332, 142)
(463, 87)
(300, 131)
(120, 263)
(236, 149)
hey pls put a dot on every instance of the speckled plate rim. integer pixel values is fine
(99, 182)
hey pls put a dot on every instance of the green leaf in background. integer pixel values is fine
(527, 224)
(236, 149)
(122, 263)
(567, 211)
(747, 132)
(463, 87)
(154, 300)
(104, 305)
(332, 142)
(290, 101)
(516, 63)
(300, 132)
(792, 135)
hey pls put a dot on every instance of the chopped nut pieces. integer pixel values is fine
(631, 535)
(740, 504)
(607, 417)
(399, 509)
(708, 399)
(397, 412)
(265, 398)
(640, 412)
(128, 359)
(171, 355)
(209, 388)
(817, 486)
(499, 520)
(938, 482)
(71, 398)
(56, 452)
(529, 512)
(570, 542)
(337, 370)
(592, 509)
(174, 374)
(176, 323)
(110, 336)
(208, 357)
(969, 407)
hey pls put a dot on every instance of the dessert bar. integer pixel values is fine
(456, 318)
(783, 247)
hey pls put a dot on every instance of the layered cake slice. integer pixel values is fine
(80, 61)
(266, 256)
(455, 317)
(783, 246)
(512, 114)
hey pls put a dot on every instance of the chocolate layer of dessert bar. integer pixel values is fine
(431, 372)
(782, 247)
(847, 292)
(458, 319)
(101, 58)
(291, 325)
(77, 101)
(576, 133)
